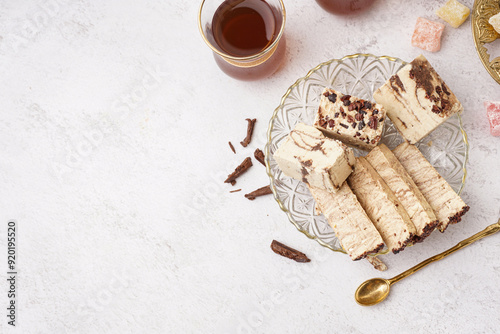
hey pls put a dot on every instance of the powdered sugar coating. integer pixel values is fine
(493, 113)
(495, 22)
(454, 13)
(427, 35)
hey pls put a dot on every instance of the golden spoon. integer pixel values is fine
(375, 290)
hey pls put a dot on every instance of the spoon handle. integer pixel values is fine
(494, 228)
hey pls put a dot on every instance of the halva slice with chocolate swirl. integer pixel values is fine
(406, 191)
(355, 231)
(354, 121)
(381, 205)
(417, 100)
(447, 205)
(307, 155)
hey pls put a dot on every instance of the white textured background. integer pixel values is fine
(113, 128)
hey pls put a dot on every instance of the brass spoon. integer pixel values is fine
(375, 290)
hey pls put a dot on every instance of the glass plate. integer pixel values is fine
(359, 75)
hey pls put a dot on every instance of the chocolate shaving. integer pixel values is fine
(259, 155)
(232, 147)
(288, 252)
(235, 191)
(242, 168)
(259, 192)
(248, 138)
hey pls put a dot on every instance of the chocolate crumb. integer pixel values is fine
(343, 125)
(347, 102)
(361, 125)
(336, 115)
(354, 125)
(350, 119)
(259, 192)
(326, 94)
(436, 109)
(235, 191)
(242, 168)
(331, 123)
(248, 138)
(288, 252)
(345, 97)
(373, 122)
(232, 147)
(358, 117)
(259, 156)
(375, 111)
(332, 97)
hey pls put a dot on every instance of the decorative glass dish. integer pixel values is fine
(358, 75)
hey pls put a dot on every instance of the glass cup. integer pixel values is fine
(257, 65)
(344, 7)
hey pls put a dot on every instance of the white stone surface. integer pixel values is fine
(114, 126)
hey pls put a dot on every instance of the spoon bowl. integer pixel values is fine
(372, 291)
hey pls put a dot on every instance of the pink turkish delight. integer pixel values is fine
(493, 112)
(427, 35)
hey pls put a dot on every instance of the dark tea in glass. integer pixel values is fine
(245, 35)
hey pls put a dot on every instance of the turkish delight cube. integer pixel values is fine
(495, 22)
(427, 35)
(493, 112)
(454, 13)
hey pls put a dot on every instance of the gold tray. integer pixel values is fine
(483, 33)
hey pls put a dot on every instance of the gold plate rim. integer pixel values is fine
(270, 128)
(477, 18)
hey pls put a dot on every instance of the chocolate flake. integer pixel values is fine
(332, 97)
(248, 138)
(235, 191)
(232, 147)
(242, 168)
(373, 122)
(288, 252)
(343, 125)
(436, 109)
(361, 125)
(259, 156)
(259, 192)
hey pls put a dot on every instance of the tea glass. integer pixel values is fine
(253, 67)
